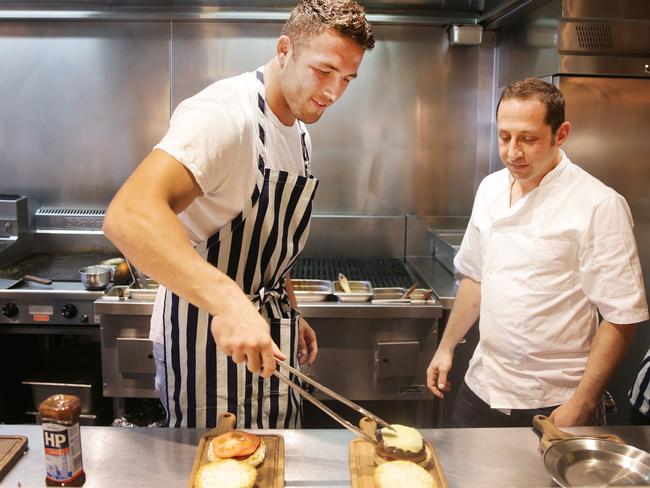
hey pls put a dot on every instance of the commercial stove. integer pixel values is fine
(64, 302)
(49, 333)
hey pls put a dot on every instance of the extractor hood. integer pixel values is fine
(578, 37)
(441, 12)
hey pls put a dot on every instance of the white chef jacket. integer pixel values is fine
(546, 265)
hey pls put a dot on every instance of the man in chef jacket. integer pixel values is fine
(550, 265)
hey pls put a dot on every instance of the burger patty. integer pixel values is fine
(394, 453)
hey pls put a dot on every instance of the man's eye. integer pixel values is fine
(504, 138)
(322, 71)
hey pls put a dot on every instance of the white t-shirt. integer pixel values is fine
(547, 266)
(214, 135)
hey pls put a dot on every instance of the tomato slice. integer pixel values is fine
(235, 444)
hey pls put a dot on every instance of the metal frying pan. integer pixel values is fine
(591, 461)
(6, 284)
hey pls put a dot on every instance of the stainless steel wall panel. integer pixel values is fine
(606, 9)
(399, 140)
(355, 236)
(204, 52)
(82, 104)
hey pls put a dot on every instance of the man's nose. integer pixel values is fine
(335, 89)
(514, 151)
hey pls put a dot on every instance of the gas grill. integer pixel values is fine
(380, 272)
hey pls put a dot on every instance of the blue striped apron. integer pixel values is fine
(256, 250)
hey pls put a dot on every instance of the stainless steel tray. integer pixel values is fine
(391, 295)
(311, 290)
(361, 291)
(394, 296)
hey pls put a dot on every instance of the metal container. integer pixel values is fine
(95, 277)
(389, 293)
(360, 291)
(311, 290)
(42, 390)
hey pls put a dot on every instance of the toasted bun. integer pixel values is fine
(254, 459)
(395, 474)
(258, 456)
(379, 459)
(225, 474)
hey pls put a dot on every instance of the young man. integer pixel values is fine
(547, 248)
(234, 167)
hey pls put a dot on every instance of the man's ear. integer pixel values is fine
(562, 133)
(282, 49)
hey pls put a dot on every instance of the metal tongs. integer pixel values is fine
(334, 395)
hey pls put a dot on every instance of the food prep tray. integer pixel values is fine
(270, 474)
(360, 291)
(390, 295)
(311, 290)
(394, 295)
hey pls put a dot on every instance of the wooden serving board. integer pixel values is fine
(11, 448)
(362, 460)
(270, 474)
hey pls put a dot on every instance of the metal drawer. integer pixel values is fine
(135, 356)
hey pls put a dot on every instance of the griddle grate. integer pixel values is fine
(381, 272)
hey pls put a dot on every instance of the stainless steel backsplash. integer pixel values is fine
(83, 102)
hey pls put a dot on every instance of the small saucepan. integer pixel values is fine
(591, 460)
(95, 277)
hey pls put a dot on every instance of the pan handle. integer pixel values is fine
(225, 423)
(546, 427)
(37, 279)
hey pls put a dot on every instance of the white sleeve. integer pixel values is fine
(468, 260)
(610, 271)
(207, 139)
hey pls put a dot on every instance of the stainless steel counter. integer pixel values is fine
(325, 309)
(155, 457)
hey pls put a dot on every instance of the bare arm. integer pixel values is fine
(141, 221)
(307, 343)
(463, 316)
(607, 351)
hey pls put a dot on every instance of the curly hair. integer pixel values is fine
(311, 17)
(536, 89)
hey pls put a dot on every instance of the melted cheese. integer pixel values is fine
(406, 438)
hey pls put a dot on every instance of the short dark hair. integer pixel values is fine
(311, 17)
(548, 94)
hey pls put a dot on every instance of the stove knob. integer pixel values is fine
(69, 311)
(9, 310)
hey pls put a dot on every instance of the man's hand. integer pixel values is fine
(437, 372)
(571, 414)
(307, 343)
(242, 333)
